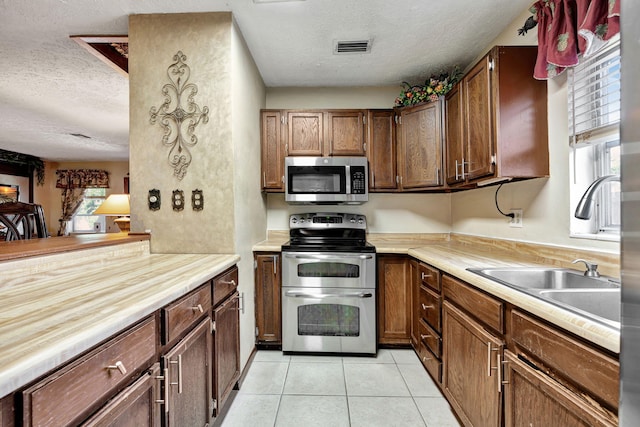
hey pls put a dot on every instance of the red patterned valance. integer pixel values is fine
(570, 28)
(82, 178)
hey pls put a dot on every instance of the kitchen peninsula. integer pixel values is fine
(91, 316)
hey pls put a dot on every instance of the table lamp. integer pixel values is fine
(116, 205)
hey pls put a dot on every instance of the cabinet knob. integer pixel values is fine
(119, 366)
(198, 308)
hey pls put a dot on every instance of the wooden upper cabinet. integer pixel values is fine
(382, 150)
(420, 134)
(305, 133)
(496, 120)
(346, 133)
(272, 146)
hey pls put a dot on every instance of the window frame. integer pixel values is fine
(99, 218)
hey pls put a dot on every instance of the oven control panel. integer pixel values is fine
(327, 220)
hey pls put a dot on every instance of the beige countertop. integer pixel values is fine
(57, 312)
(454, 254)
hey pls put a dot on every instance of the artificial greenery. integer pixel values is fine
(18, 159)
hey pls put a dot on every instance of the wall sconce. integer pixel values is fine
(116, 205)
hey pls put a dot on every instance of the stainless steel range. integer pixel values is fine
(328, 285)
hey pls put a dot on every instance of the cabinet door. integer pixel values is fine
(454, 135)
(7, 414)
(382, 150)
(135, 406)
(345, 133)
(471, 379)
(479, 121)
(268, 299)
(187, 371)
(421, 146)
(226, 350)
(531, 398)
(305, 133)
(394, 300)
(272, 146)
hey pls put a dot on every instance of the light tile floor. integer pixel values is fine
(392, 389)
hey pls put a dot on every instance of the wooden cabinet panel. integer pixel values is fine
(479, 126)
(471, 357)
(345, 131)
(188, 370)
(482, 306)
(305, 133)
(272, 151)
(268, 282)
(430, 338)
(432, 364)
(180, 315)
(88, 382)
(7, 412)
(430, 307)
(454, 135)
(534, 399)
(382, 150)
(590, 369)
(421, 146)
(394, 300)
(135, 406)
(226, 350)
(225, 285)
(430, 277)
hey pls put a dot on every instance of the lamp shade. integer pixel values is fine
(114, 205)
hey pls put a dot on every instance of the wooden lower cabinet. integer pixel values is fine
(532, 398)
(187, 375)
(7, 412)
(471, 378)
(394, 299)
(135, 406)
(268, 282)
(226, 350)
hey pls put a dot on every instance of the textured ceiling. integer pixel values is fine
(51, 87)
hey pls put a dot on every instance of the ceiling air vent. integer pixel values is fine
(358, 46)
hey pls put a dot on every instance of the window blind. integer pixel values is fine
(594, 94)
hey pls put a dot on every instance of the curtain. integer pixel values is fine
(569, 29)
(73, 182)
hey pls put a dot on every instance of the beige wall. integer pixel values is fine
(205, 38)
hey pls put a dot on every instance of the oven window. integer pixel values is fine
(328, 269)
(329, 320)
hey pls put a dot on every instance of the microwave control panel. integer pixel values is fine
(358, 180)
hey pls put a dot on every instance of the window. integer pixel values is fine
(594, 128)
(83, 220)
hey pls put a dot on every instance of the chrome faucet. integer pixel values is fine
(585, 206)
(592, 269)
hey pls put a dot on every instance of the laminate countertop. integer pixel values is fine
(57, 307)
(454, 254)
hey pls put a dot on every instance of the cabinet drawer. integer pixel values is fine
(480, 305)
(224, 285)
(182, 314)
(430, 362)
(430, 338)
(587, 367)
(72, 393)
(429, 276)
(430, 303)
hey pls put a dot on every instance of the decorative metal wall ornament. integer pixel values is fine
(177, 200)
(154, 199)
(197, 200)
(179, 115)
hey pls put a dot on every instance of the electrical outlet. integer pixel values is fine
(516, 221)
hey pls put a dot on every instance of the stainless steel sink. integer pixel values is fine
(543, 278)
(597, 298)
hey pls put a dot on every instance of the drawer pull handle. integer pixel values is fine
(164, 378)
(198, 308)
(424, 276)
(119, 366)
(424, 337)
(425, 358)
(425, 307)
(231, 282)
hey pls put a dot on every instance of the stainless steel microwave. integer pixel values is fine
(326, 180)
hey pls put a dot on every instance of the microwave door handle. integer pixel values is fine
(347, 178)
(297, 256)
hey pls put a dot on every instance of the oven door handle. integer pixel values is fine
(321, 296)
(337, 256)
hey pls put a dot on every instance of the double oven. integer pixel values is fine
(328, 285)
